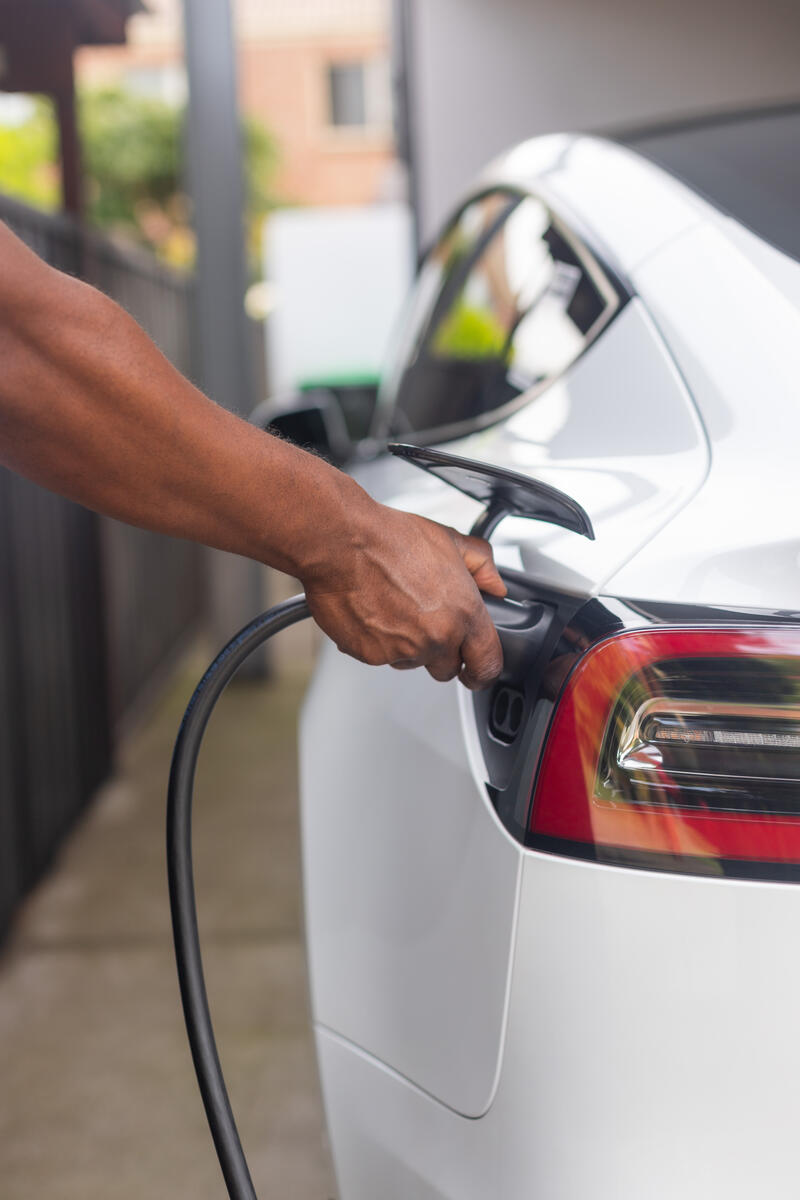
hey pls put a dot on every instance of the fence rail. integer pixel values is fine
(90, 609)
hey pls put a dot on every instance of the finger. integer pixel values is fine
(405, 664)
(479, 561)
(481, 652)
(445, 667)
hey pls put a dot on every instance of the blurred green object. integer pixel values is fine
(343, 379)
(28, 155)
(470, 334)
(131, 154)
(132, 148)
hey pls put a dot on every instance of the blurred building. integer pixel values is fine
(316, 72)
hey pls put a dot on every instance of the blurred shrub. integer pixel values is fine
(133, 167)
(28, 157)
(470, 334)
(133, 158)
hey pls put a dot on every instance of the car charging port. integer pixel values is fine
(506, 713)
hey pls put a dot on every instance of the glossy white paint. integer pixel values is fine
(631, 207)
(732, 321)
(728, 308)
(651, 1052)
(618, 1034)
(410, 881)
(618, 432)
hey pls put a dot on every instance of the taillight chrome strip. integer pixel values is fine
(691, 733)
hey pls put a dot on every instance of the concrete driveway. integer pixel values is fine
(98, 1093)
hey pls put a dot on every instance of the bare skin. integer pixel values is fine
(90, 408)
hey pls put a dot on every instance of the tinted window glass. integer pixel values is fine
(503, 304)
(747, 165)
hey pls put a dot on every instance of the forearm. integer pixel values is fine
(90, 408)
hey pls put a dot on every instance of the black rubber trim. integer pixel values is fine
(657, 613)
(672, 864)
(512, 190)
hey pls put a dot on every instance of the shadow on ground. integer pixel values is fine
(98, 1093)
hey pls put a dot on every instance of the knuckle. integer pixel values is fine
(406, 650)
(439, 635)
(442, 671)
(445, 622)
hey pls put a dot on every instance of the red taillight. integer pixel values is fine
(677, 747)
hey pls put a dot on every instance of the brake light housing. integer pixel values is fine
(678, 750)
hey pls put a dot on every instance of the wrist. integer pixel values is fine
(332, 515)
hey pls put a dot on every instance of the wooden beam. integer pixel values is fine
(69, 141)
(93, 22)
(39, 39)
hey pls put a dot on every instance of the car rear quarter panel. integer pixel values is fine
(645, 1042)
(410, 880)
(729, 308)
(651, 1051)
(618, 432)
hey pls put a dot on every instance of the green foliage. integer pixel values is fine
(131, 154)
(261, 159)
(28, 158)
(470, 334)
(132, 149)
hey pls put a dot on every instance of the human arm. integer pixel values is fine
(90, 408)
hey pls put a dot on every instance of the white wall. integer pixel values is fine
(339, 277)
(487, 73)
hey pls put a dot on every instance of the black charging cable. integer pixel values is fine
(181, 887)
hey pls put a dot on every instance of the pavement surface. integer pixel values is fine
(98, 1094)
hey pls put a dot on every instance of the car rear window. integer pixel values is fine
(748, 165)
(504, 303)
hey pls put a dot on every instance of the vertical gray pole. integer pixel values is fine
(403, 84)
(216, 190)
(215, 184)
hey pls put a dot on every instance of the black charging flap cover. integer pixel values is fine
(504, 493)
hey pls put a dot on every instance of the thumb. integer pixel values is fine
(479, 561)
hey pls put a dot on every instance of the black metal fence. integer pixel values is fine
(90, 609)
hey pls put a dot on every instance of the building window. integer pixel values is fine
(359, 94)
(347, 94)
(164, 81)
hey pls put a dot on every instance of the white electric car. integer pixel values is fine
(554, 928)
